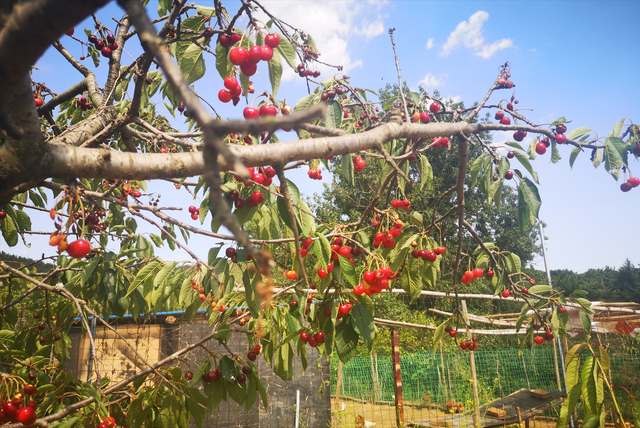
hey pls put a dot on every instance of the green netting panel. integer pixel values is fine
(438, 378)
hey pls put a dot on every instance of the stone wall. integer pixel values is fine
(165, 335)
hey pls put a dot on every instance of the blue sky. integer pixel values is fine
(573, 59)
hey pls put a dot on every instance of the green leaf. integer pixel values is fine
(617, 129)
(346, 341)
(348, 270)
(308, 222)
(586, 321)
(437, 337)
(9, 231)
(426, 172)
(555, 153)
(223, 65)
(527, 165)
(304, 102)
(568, 407)
(596, 156)
(334, 114)
(143, 275)
(275, 73)
(411, 282)
(586, 305)
(574, 154)
(476, 166)
(540, 289)
(636, 412)
(589, 394)
(528, 204)
(89, 269)
(578, 132)
(615, 153)
(192, 64)
(362, 323)
(322, 250)
(287, 52)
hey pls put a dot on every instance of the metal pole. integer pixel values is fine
(297, 408)
(560, 351)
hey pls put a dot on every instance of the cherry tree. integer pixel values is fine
(86, 156)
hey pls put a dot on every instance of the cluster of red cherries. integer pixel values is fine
(375, 281)
(315, 174)
(405, 204)
(11, 411)
(427, 254)
(358, 164)
(248, 60)
(313, 340)
(106, 49)
(386, 239)
(470, 275)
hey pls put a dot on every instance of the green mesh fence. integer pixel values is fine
(438, 378)
(429, 381)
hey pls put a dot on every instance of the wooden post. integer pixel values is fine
(339, 382)
(555, 360)
(374, 379)
(472, 362)
(397, 384)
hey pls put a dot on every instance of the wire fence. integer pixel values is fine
(363, 389)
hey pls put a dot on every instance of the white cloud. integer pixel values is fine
(469, 35)
(332, 26)
(431, 81)
(487, 51)
(430, 43)
(454, 98)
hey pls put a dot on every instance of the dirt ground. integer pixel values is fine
(346, 413)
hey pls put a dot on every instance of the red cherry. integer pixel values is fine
(499, 115)
(225, 96)
(505, 121)
(626, 186)
(266, 53)
(313, 342)
(440, 250)
(634, 181)
(79, 249)
(29, 389)
(506, 293)
(477, 272)
(230, 82)
(257, 197)
(561, 138)
(509, 175)
(453, 333)
(192, 209)
(490, 273)
(269, 171)
(560, 128)
(322, 273)
(434, 108)
(231, 252)
(424, 117)
(248, 69)
(463, 345)
(39, 102)
(292, 274)
(195, 216)
(539, 340)
(562, 310)
(251, 356)
(319, 337)
(70, 31)
(26, 416)
(238, 55)
(306, 243)
(10, 410)
(304, 336)
(106, 52)
(541, 148)
(226, 41)
(254, 55)
(548, 335)
(329, 267)
(272, 40)
(251, 113)
(3, 215)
